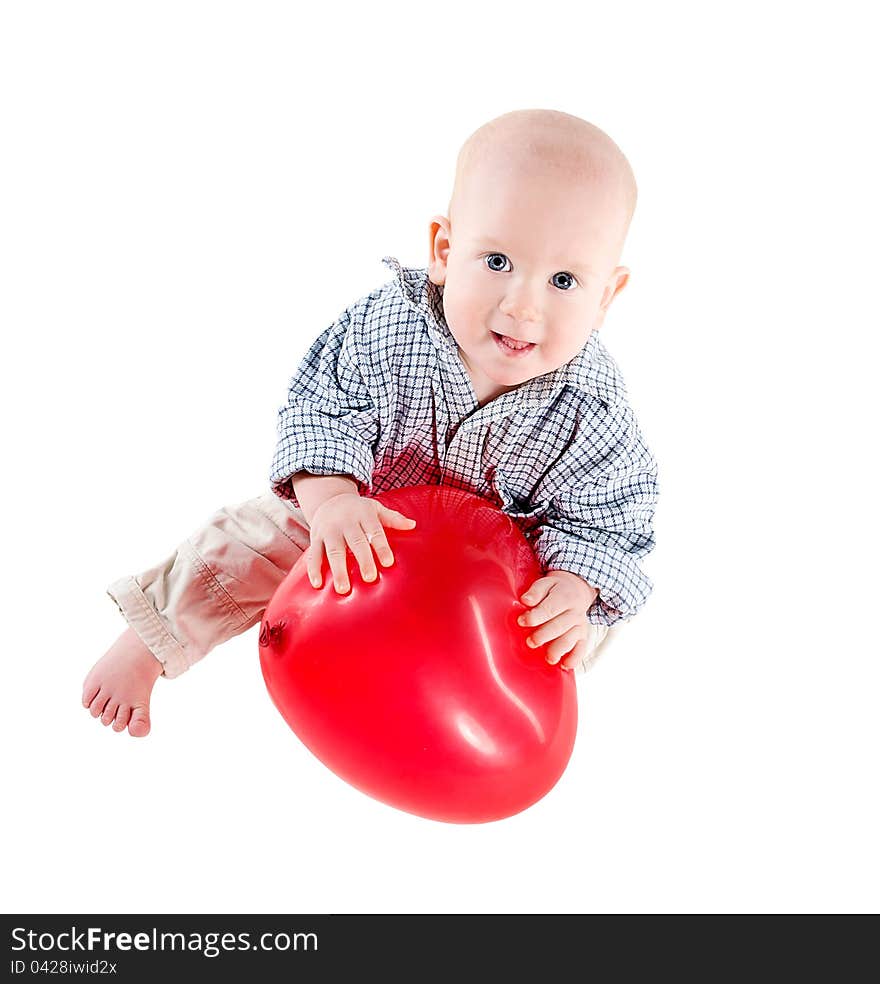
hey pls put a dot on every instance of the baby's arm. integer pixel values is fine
(596, 528)
(313, 491)
(599, 523)
(340, 520)
(328, 432)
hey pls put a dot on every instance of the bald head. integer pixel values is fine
(542, 141)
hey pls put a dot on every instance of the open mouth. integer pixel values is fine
(512, 346)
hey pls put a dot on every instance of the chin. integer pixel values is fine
(514, 379)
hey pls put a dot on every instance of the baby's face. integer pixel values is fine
(528, 271)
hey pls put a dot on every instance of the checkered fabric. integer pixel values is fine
(382, 395)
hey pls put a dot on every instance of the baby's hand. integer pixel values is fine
(349, 519)
(559, 603)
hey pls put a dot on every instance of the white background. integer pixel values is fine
(191, 192)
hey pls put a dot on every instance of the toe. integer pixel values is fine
(90, 692)
(139, 726)
(109, 712)
(122, 716)
(96, 708)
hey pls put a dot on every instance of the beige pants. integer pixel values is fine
(218, 583)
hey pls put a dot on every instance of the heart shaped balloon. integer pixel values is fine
(419, 688)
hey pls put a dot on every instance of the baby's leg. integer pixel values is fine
(214, 586)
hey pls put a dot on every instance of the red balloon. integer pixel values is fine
(419, 688)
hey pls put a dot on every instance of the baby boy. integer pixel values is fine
(483, 372)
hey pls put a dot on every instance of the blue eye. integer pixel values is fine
(564, 281)
(497, 262)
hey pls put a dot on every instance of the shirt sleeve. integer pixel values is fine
(329, 424)
(600, 526)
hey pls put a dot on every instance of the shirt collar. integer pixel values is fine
(592, 370)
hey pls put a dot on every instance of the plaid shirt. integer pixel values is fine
(383, 396)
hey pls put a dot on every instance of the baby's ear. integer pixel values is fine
(440, 231)
(616, 282)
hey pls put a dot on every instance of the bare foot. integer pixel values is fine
(119, 685)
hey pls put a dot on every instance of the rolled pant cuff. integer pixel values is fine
(598, 644)
(148, 626)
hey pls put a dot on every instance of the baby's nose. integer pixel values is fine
(521, 307)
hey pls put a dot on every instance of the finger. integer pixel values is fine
(538, 591)
(336, 558)
(359, 545)
(394, 520)
(314, 563)
(574, 659)
(564, 644)
(551, 605)
(379, 542)
(555, 628)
